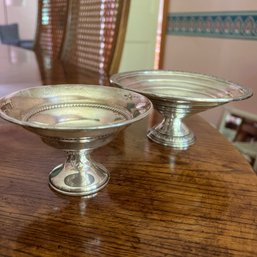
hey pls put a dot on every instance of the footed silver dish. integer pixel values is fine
(176, 95)
(76, 119)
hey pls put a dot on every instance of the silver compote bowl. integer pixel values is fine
(176, 95)
(76, 119)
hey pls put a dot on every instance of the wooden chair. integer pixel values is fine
(95, 35)
(52, 20)
(241, 129)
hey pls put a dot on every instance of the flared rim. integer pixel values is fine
(133, 80)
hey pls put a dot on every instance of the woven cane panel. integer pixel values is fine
(92, 33)
(52, 25)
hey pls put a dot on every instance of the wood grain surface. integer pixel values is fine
(198, 202)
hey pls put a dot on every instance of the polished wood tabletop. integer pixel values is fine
(159, 202)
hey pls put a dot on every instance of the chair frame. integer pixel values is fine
(39, 18)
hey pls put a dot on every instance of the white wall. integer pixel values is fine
(232, 59)
(24, 14)
(139, 46)
(211, 5)
(2, 15)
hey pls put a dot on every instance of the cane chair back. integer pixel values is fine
(95, 34)
(52, 20)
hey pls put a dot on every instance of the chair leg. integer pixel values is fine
(255, 164)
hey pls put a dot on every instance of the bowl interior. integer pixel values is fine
(172, 85)
(74, 107)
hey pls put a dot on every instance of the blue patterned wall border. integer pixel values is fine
(241, 25)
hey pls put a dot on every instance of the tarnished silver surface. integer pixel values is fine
(76, 119)
(178, 94)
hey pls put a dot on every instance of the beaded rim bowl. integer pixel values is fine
(76, 119)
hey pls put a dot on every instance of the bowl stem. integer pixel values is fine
(79, 175)
(172, 132)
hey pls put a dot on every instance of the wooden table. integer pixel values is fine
(199, 202)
